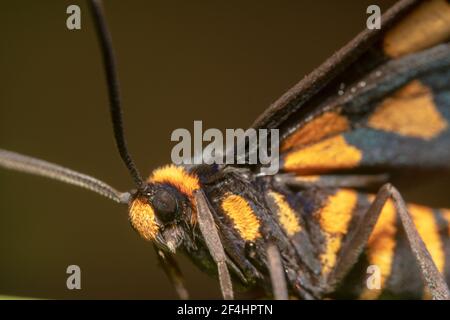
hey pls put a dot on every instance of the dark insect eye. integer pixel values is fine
(165, 204)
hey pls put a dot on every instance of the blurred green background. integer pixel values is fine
(222, 62)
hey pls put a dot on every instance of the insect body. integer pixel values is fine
(379, 105)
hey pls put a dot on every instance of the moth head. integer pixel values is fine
(159, 214)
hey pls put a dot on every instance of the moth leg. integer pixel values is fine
(212, 239)
(172, 270)
(333, 181)
(276, 270)
(351, 251)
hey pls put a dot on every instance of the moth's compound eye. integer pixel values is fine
(165, 204)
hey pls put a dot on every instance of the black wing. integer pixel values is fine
(382, 101)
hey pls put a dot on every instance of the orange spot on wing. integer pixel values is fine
(334, 219)
(409, 112)
(142, 219)
(287, 217)
(381, 247)
(424, 27)
(324, 125)
(241, 214)
(331, 153)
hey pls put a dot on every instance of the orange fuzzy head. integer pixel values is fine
(161, 212)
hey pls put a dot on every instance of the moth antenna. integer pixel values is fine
(15, 161)
(109, 63)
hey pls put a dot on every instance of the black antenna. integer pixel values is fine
(109, 62)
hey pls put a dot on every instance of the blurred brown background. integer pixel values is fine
(222, 62)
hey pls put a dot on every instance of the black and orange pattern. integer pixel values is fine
(380, 105)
